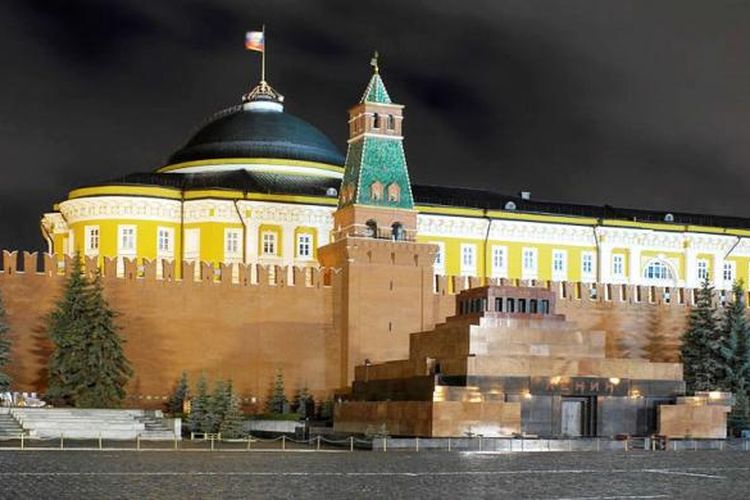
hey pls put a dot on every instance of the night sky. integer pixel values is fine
(640, 104)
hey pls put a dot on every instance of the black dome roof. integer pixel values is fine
(240, 132)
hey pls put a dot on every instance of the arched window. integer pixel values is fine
(397, 231)
(376, 191)
(394, 192)
(391, 122)
(658, 270)
(372, 229)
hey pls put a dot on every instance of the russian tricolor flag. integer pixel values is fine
(255, 40)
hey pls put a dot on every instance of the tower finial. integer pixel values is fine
(374, 61)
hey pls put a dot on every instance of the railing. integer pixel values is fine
(320, 443)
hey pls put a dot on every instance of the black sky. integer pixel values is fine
(631, 103)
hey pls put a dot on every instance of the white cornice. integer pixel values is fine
(120, 207)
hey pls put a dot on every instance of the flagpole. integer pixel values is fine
(263, 59)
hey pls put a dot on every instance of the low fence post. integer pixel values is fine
(138, 442)
(480, 443)
(385, 444)
(61, 440)
(100, 440)
(175, 441)
(351, 443)
(249, 440)
(449, 444)
(212, 442)
(283, 442)
(22, 441)
(318, 444)
(416, 443)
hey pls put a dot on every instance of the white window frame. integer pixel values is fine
(192, 244)
(439, 265)
(92, 240)
(308, 245)
(127, 233)
(559, 273)
(468, 259)
(232, 243)
(589, 275)
(165, 235)
(269, 241)
(729, 272)
(618, 265)
(499, 261)
(701, 274)
(668, 273)
(529, 262)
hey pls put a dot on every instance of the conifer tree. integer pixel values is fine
(4, 348)
(105, 368)
(176, 401)
(232, 425)
(67, 327)
(303, 402)
(219, 404)
(735, 352)
(701, 343)
(277, 401)
(199, 419)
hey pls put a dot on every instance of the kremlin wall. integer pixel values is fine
(247, 322)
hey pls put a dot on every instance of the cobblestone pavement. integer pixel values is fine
(196, 474)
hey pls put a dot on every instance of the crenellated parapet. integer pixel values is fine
(23, 264)
(572, 292)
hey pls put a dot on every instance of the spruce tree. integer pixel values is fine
(106, 370)
(219, 404)
(176, 401)
(199, 419)
(233, 424)
(67, 326)
(303, 403)
(277, 402)
(4, 348)
(701, 343)
(735, 352)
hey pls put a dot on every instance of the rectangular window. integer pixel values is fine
(304, 245)
(618, 265)
(729, 271)
(500, 261)
(164, 241)
(269, 243)
(702, 270)
(587, 265)
(559, 265)
(92, 240)
(529, 261)
(232, 242)
(126, 239)
(439, 256)
(192, 244)
(468, 259)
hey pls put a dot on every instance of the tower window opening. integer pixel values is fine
(376, 191)
(391, 122)
(371, 230)
(394, 192)
(376, 120)
(397, 231)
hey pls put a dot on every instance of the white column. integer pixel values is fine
(634, 263)
(691, 268)
(251, 240)
(717, 273)
(605, 261)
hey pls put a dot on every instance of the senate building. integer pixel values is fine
(256, 184)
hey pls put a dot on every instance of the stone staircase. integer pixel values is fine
(9, 427)
(74, 423)
(154, 427)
